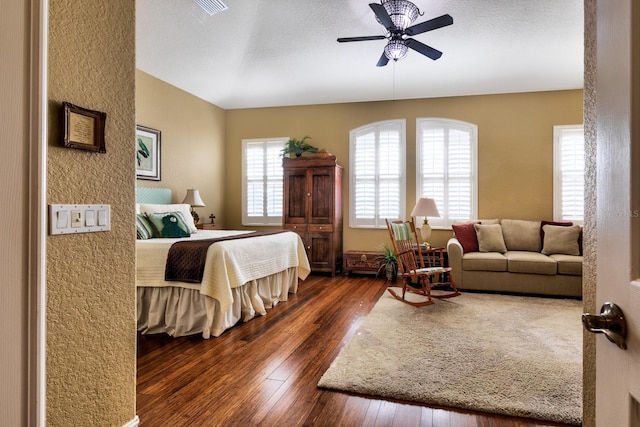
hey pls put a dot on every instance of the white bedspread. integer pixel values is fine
(230, 263)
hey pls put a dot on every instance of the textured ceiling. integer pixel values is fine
(262, 53)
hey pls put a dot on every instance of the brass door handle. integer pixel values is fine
(609, 322)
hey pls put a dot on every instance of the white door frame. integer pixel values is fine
(36, 379)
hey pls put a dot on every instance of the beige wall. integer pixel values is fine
(192, 146)
(91, 330)
(515, 146)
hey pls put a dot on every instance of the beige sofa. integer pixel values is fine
(517, 256)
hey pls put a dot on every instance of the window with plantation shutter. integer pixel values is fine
(446, 163)
(377, 174)
(568, 173)
(262, 185)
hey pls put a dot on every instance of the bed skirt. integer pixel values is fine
(180, 311)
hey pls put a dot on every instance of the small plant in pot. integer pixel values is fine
(389, 263)
(295, 147)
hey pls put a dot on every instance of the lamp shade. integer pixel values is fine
(193, 198)
(425, 207)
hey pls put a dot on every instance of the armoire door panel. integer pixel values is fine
(322, 197)
(296, 198)
(321, 249)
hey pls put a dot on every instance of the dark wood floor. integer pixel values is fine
(265, 372)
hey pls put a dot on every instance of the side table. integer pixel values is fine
(209, 226)
(436, 257)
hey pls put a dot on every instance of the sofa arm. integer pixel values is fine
(455, 252)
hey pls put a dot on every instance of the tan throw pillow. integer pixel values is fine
(561, 240)
(490, 238)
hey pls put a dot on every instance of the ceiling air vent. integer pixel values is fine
(211, 6)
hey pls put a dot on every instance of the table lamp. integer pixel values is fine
(425, 207)
(193, 199)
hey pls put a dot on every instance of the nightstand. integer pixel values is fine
(209, 226)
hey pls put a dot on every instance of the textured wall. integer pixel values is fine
(192, 136)
(91, 349)
(590, 240)
(515, 146)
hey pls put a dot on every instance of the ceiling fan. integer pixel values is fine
(396, 16)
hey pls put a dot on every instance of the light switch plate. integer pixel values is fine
(72, 219)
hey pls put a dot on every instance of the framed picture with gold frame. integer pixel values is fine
(83, 128)
(147, 153)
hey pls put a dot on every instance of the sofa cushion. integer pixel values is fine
(490, 238)
(530, 262)
(568, 264)
(466, 235)
(484, 261)
(563, 224)
(561, 240)
(520, 235)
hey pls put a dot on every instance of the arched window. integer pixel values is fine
(447, 168)
(377, 173)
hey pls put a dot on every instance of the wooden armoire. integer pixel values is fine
(313, 209)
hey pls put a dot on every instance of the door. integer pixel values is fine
(23, 172)
(618, 207)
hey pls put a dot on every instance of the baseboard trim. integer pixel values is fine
(133, 423)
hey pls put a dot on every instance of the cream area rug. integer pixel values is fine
(511, 355)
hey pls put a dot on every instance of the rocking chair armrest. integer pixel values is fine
(432, 270)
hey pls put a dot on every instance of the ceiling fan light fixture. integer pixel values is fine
(396, 49)
(401, 12)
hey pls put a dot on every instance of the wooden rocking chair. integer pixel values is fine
(418, 277)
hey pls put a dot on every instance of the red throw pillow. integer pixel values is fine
(466, 235)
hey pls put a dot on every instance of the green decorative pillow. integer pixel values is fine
(144, 228)
(561, 240)
(490, 238)
(183, 208)
(169, 224)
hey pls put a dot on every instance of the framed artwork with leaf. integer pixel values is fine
(147, 153)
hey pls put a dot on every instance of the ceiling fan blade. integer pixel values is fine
(360, 39)
(383, 15)
(382, 61)
(432, 24)
(423, 49)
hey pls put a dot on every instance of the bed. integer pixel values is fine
(242, 277)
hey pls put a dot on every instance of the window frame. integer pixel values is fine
(445, 222)
(558, 214)
(263, 220)
(377, 222)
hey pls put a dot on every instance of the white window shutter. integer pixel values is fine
(568, 173)
(447, 168)
(262, 181)
(377, 153)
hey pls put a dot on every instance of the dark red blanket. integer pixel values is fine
(186, 259)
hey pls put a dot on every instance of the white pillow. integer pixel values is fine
(183, 208)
